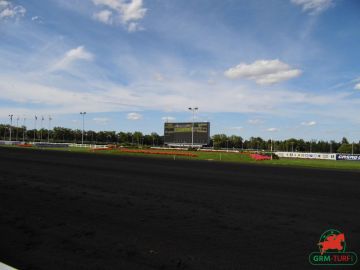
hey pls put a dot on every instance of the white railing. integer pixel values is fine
(87, 145)
(2, 142)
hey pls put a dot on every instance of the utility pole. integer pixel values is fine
(11, 118)
(83, 127)
(192, 126)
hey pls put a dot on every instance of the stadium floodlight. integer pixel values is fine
(24, 121)
(192, 126)
(17, 127)
(83, 127)
(35, 120)
(11, 118)
(42, 120)
(49, 128)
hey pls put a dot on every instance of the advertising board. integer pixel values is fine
(348, 157)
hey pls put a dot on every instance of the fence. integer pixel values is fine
(2, 142)
(50, 145)
(306, 155)
(87, 145)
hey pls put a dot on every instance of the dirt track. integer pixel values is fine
(62, 210)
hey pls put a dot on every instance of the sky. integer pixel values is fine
(270, 68)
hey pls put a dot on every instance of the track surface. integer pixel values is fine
(62, 210)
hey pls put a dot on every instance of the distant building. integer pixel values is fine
(180, 134)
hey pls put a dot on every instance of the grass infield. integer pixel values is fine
(219, 157)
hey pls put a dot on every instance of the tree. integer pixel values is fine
(137, 135)
(219, 140)
(123, 138)
(235, 141)
(345, 148)
(344, 141)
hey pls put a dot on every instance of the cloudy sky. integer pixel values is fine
(269, 68)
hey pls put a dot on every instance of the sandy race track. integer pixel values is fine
(62, 210)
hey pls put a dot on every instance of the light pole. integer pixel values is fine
(35, 120)
(11, 118)
(49, 128)
(41, 128)
(24, 121)
(192, 126)
(17, 127)
(83, 122)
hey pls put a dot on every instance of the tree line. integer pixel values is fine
(67, 135)
(137, 138)
(289, 145)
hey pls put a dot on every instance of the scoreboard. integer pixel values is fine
(180, 133)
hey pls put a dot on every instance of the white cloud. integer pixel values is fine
(357, 86)
(211, 82)
(236, 128)
(255, 121)
(272, 129)
(134, 116)
(263, 72)
(8, 10)
(309, 124)
(168, 118)
(158, 77)
(79, 53)
(101, 120)
(37, 19)
(4, 3)
(127, 13)
(104, 16)
(134, 26)
(313, 6)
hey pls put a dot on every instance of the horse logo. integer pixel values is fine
(333, 240)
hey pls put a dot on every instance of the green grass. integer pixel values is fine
(224, 157)
(326, 164)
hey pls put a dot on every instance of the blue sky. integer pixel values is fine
(279, 68)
